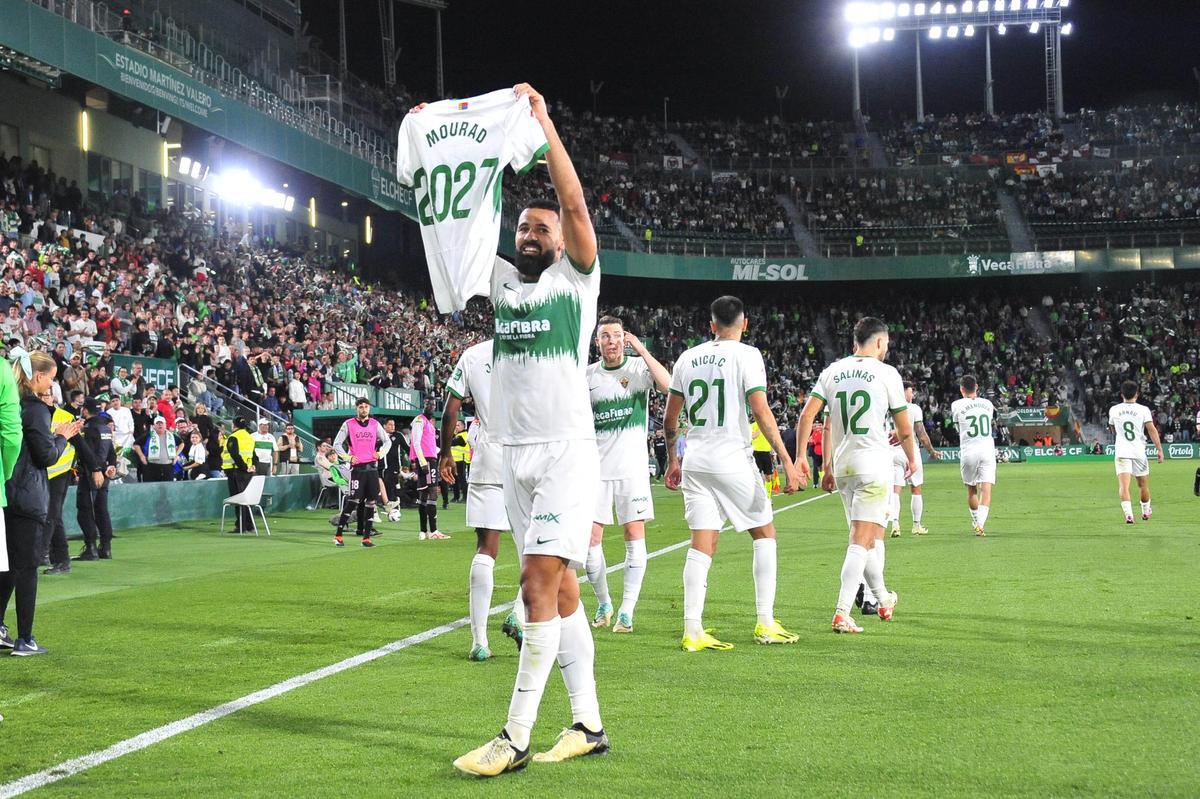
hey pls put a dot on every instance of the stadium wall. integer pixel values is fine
(156, 504)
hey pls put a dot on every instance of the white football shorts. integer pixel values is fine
(739, 497)
(631, 497)
(550, 494)
(978, 467)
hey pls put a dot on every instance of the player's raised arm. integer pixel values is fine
(662, 378)
(579, 236)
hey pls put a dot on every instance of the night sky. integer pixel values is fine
(725, 59)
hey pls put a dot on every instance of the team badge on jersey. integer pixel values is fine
(624, 382)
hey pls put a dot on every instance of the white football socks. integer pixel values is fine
(635, 572)
(576, 661)
(1127, 507)
(597, 573)
(695, 586)
(482, 581)
(974, 517)
(852, 576)
(982, 515)
(1145, 508)
(764, 579)
(917, 506)
(873, 572)
(896, 508)
(519, 607)
(538, 653)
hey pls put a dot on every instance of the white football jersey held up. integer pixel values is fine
(472, 377)
(973, 417)
(539, 362)
(453, 154)
(1129, 419)
(620, 399)
(715, 380)
(860, 393)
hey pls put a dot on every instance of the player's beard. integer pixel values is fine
(534, 265)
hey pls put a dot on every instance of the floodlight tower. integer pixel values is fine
(874, 22)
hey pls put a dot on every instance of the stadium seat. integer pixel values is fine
(250, 498)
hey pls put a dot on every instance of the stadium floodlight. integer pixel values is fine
(1066, 29)
(888, 21)
(289, 203)
(860, 13)
(197, 168)
(185, 164)
(238, 187)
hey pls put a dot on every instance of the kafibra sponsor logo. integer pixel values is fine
(522, 327)
(758, 269)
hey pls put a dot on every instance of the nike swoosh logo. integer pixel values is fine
(567, 666)
(525, 690)
(545, 541)
(509, 287)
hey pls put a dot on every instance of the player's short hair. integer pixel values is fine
(968, 383)
(1129, 389)
(909, 384)
(608, 319)
(544, 205)
(361, 401)
(868, 328)
(727, 310)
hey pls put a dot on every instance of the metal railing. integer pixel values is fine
(278, 96)
(234, 404)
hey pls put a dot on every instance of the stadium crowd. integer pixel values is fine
(1148, 332)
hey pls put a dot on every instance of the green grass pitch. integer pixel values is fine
(1058, 656)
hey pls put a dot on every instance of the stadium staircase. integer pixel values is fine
(830, 352)
(808, 243)
(636, 243)
(1020, 234)
(234, 405)
(1039, 322)
(689, 152)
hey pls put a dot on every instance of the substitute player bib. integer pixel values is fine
(453, 155)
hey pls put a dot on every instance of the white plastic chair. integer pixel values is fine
(327, 484)
(250, 498)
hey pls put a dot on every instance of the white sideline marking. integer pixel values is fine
(72, 767)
